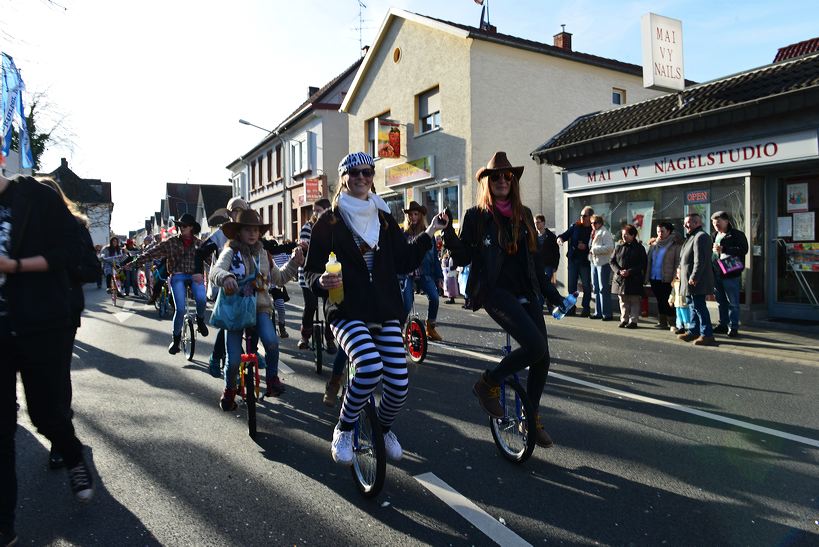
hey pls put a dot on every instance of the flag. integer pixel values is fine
(11, 100)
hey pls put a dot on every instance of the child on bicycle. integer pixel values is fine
(506, 278)
(244, 260)
(372, 250)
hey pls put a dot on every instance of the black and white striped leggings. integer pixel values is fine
(377, 352)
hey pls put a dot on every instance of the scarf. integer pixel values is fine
(504, 207)
(186, 241)
(361, 216)
(665, 242)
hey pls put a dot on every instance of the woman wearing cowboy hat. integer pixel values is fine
(372, 250)
(244, 256)
(499, 239)
(428, 274)
(180, 253)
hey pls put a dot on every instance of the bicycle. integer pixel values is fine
(188, 328)
(317, 341)
(511, 433)
(415, 334)
(369, 466)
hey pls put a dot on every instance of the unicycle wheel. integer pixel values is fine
(369, 455)
(415, 340)
(514, 434)
(188, 338)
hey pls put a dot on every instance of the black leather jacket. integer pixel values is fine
(734, 243)
(477, 244)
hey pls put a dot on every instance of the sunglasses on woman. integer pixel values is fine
(364, 172)
(495, 177)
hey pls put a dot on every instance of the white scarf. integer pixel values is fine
(361, 216)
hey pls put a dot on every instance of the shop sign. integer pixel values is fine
(697, 196)
(389, 139)
(662, 53)
(312, 190)
(411, 171)
(766, 151)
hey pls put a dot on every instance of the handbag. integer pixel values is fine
(730, 265)
(236, 311)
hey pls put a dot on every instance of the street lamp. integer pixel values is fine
(245, 122)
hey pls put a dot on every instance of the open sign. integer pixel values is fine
(697, 196)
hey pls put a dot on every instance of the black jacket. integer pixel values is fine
(735, 244)
(549, 248)
(631, 257)
(478, 245)
(368, 296)
(40, 225)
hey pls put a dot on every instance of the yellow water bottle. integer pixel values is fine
(333, 266)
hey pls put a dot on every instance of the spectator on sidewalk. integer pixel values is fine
(577, 236)
(450, 278)
(663, 259)
(697, 281)
(38, 241)
(675, 299)
(729, 242)
(601, 248)
(547, 243)
(628, 265)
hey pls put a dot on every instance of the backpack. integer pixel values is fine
(84, 265)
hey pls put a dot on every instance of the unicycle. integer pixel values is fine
(415, 335)
(369, 466)
(249, 388)
(188, 329)
(512, 432)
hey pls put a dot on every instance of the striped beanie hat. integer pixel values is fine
(356, 158)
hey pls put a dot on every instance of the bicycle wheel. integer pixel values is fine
(511, 433)
(369, 455)
(250, 379)
(188, 338)
(415, 340)
(318, 345)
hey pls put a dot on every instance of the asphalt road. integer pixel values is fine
(661, 444)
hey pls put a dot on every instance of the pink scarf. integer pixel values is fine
(504, 207)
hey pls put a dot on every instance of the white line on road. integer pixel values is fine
(476, 516)
(650, 400)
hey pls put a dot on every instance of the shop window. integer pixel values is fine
(429, 110)
(797, 249)
(396, 204)
(371, 133)
(618, 96)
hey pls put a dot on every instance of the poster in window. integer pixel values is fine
(797, 197)
(803, 226)
(702, 209)
(640, 214)
(389, 139)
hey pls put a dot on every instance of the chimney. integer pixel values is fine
(563, 39)
(312, 91)
(64, 163)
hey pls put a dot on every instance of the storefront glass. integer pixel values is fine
(797, 265)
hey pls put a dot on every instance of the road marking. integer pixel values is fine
(126, 313)
(650, 400)
(284, 368)
(476, 516)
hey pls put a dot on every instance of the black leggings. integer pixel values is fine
(524, 322)
(662, 291)
(309, 314)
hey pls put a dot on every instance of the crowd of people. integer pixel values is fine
(502, 259)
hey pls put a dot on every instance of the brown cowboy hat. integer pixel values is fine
(415, 206)
(499, 162)
(244, 218)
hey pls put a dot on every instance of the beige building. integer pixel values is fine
(457, 94)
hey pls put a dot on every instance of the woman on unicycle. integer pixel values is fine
(366, 322)
(498, 238)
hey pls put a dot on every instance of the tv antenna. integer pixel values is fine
(361, 7)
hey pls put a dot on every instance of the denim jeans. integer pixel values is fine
(601, 281)
(700, 316)
(270, 342)
(427, 284)
(178, 281)
(581, 269)
(726, 289)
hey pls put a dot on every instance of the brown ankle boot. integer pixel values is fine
(542, 438)
(432, 334)
(331, 391)
(488, 394)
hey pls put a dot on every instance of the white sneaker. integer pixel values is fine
(392, 446)
(342, 447)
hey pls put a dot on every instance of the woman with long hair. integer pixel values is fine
(366, 323)
(499, 239)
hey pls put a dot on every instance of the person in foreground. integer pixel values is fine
(366, 321)
(243, 260)
(498, 238)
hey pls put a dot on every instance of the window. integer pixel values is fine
(301, 153)
(269, 166)
(253, 174)
(280, 217)
(618, 96)
(371, 130)
(295, 156)
(261, 214)
(429, 110)
(278, 162)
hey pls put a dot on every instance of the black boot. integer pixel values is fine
(173, 349)
(201, 326)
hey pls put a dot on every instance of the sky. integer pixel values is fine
(149, 92)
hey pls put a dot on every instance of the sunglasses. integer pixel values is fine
(186, 225)
(363, 172)
(507, 175)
